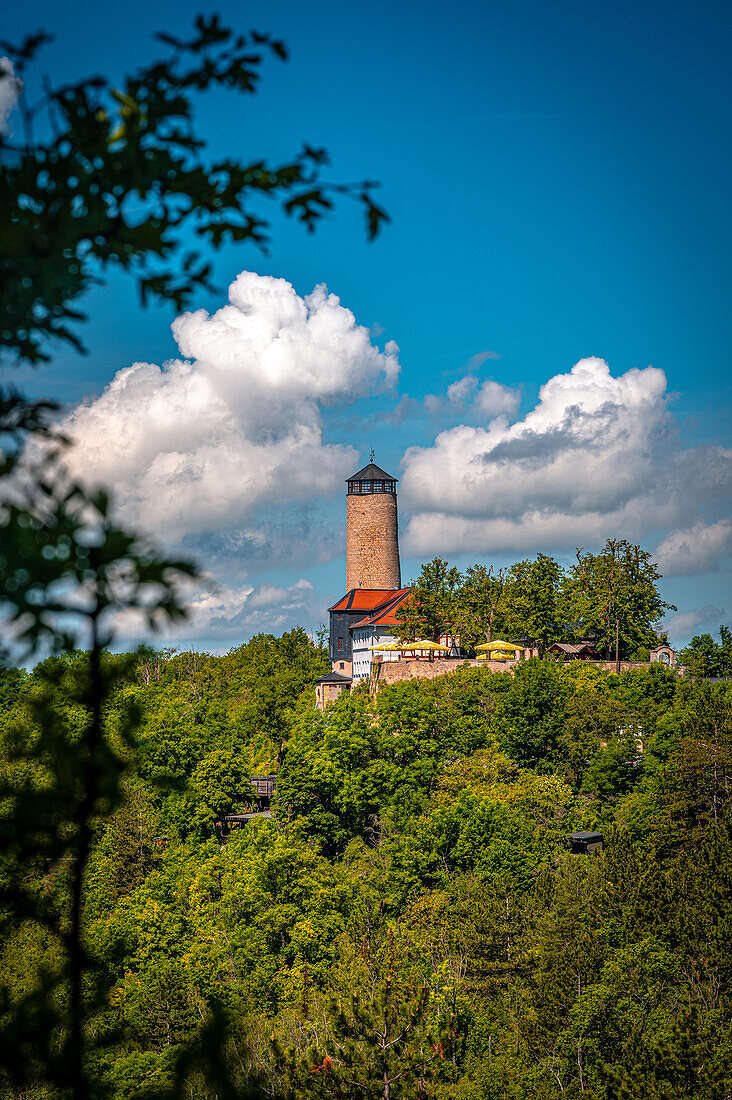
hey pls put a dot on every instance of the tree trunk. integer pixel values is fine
(617, 645)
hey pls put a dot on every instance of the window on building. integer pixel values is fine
(340, 645)
(341, 665)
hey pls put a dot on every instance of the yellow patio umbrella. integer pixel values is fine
(508, 647)
(426, 645)
(498, 650)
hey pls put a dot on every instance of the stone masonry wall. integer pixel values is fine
(392, 672)
(372, 541)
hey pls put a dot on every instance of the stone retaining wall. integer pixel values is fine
(392, 672)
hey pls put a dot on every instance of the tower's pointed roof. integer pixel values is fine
(371, 473)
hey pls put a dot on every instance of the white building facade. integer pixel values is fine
(365, 638)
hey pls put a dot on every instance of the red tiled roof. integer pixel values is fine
(365, 599)
(386, 615)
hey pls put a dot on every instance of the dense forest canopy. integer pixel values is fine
(410, 922)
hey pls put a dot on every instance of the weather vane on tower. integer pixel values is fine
(372, 456)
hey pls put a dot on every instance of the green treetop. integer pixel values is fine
(532, 600)
(480, 603)
(432, 607)
(618, 585)
(705, 657)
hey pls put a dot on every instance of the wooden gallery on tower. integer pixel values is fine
(366, 615)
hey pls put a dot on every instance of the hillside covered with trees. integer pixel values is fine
(410, 922)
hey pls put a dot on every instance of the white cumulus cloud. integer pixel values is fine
(462, 390)
(271, 595)
(701, 548)
(596, 456)
(487, 399)
(494, 399)
(198, 444)
(681, 626)
(230, 612)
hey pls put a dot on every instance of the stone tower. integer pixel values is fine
(372, 530)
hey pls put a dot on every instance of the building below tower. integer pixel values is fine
(352, 608)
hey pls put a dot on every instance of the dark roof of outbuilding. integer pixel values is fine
(334, 678)
(571, 647)
(371, 473)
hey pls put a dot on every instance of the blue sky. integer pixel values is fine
(558, 178)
